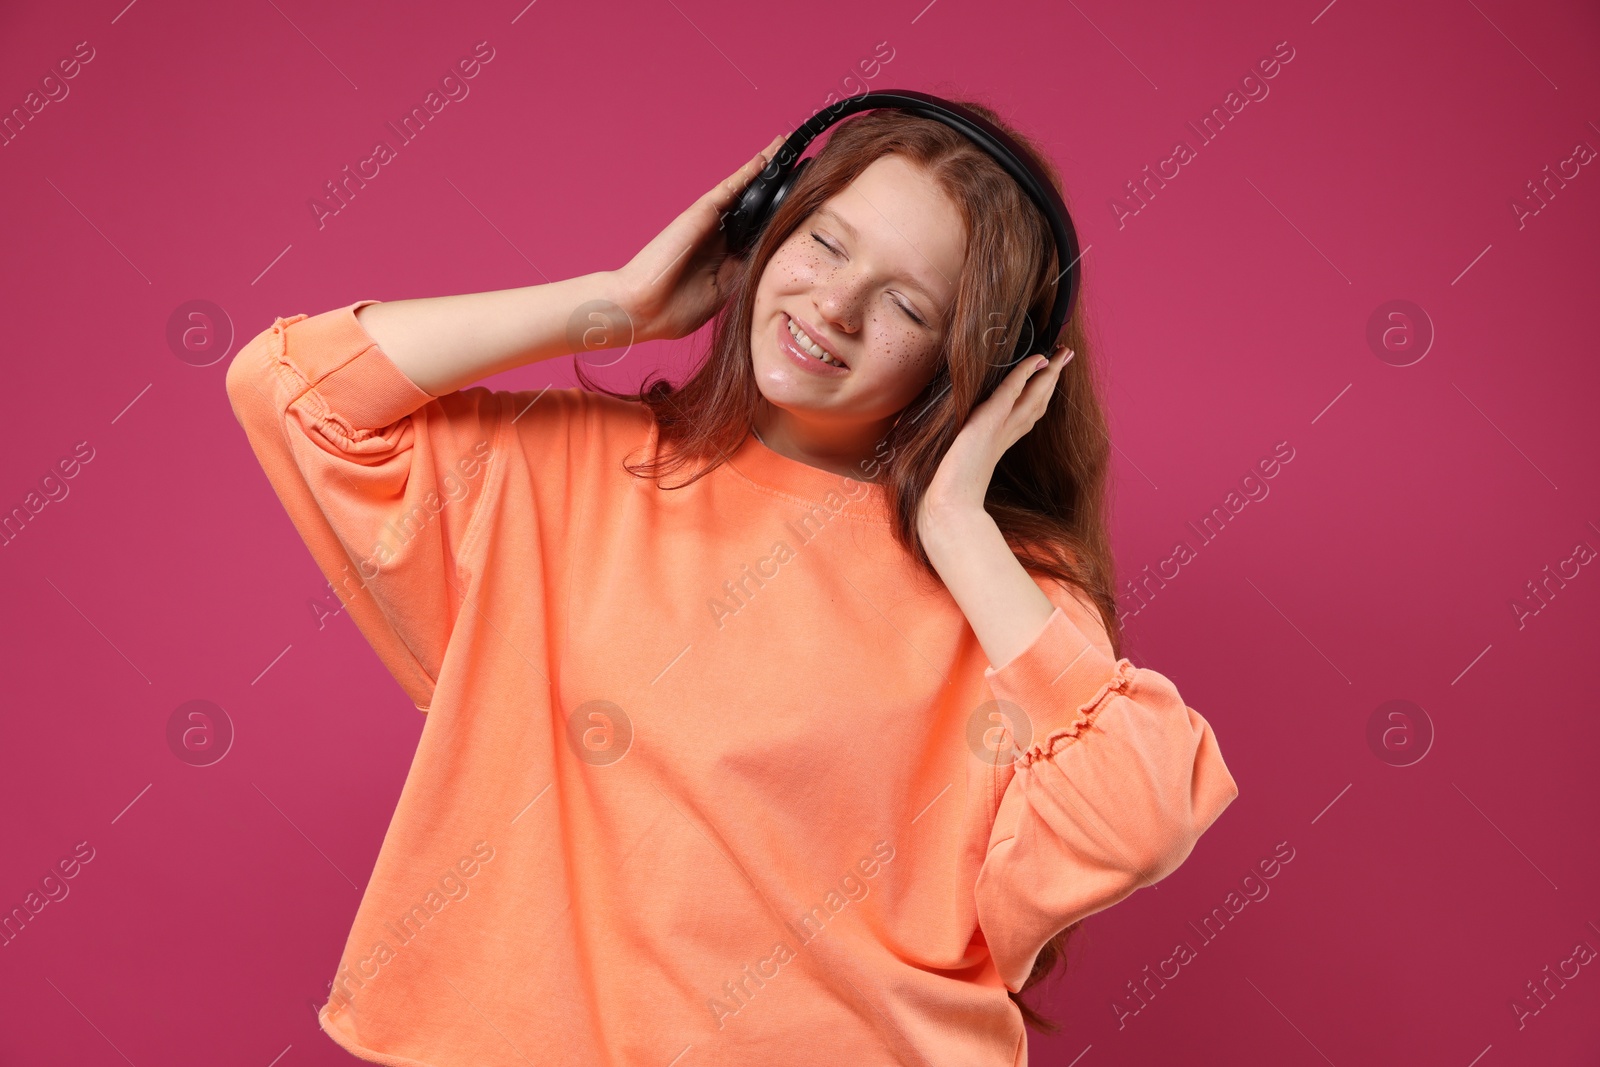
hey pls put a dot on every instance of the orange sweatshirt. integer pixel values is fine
(710, 775)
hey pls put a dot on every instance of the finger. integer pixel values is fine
(1057, 359)
(1038, 377)
(1041, 381)
(1026, 370)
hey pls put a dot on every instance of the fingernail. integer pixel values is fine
(1041, 363)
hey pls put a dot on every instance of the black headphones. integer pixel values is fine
(743, 222)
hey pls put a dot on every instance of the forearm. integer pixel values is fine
(445, 343)
(1003, 604)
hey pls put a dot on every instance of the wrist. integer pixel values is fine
(618, 288)
(944, 523)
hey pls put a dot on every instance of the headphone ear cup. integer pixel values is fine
(788, 182)
(743, 223)
(740, 222)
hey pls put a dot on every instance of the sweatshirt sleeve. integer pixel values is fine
(383, 481)
(1117, 780)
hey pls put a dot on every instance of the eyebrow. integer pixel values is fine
(909, 279)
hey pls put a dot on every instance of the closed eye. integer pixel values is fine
(912, 315)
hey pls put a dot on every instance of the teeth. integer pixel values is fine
(808, 345)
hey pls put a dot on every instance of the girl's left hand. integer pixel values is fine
(962, 480)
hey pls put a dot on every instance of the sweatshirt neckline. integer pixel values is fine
(756, 462)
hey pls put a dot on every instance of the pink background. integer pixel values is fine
(1231, 313)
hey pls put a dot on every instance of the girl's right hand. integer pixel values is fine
(679, 280)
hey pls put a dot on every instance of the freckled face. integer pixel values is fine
(870, 276)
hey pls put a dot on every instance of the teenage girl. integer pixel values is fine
(773, 717)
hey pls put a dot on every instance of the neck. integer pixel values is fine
(848, 451)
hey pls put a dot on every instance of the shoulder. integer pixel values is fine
(573, 433)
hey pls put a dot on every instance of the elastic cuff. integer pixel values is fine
(1056, 680)
(1052, 741)
(355, 378)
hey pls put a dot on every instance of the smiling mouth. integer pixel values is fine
(810, 347)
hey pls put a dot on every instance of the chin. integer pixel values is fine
(781, 391)
(782, 385)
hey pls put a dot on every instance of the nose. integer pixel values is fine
(838, 300)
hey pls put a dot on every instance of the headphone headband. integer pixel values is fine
(745, 219)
